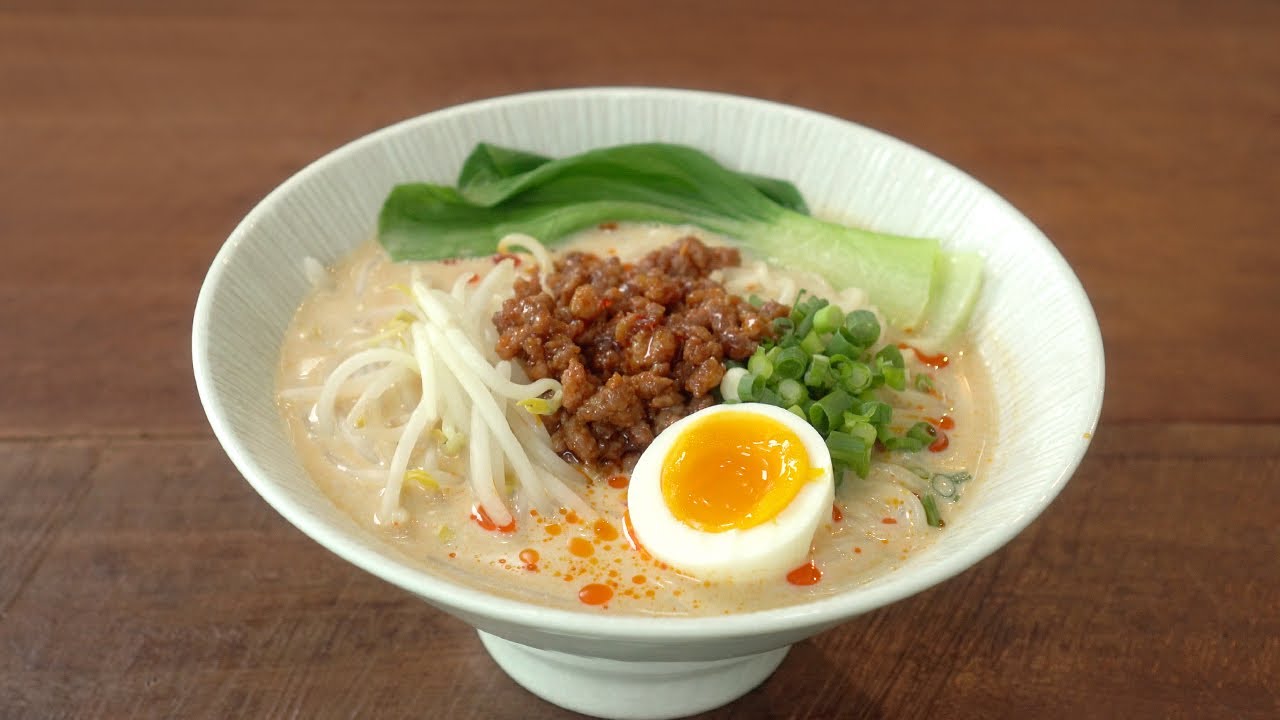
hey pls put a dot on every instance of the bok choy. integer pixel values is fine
(501, 191)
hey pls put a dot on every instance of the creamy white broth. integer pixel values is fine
(882, 523)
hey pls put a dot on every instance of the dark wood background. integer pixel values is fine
(140, 576)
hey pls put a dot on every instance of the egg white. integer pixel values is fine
(767, 551)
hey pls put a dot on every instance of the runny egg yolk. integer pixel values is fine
(734, 471)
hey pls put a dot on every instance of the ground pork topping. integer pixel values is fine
(636, 346)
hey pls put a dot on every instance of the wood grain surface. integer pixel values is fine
(140, 576)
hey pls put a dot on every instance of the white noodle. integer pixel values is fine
(495, 382)
(436, 305)
(535, 248)
(535, 496)
(423, 416)
(482, 472)
(459, 290)
(457, 408)
(556, 471)
(347, 368)
(440, 475)
(487, 407)
(382, 382)
(426, 368)
(501, 276)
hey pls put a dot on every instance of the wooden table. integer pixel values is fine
(140, 576)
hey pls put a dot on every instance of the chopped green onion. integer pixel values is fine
(791, 363)
(844, 447)
(840, 345)
(769, 396)
(923, 432)
(918, 437)
(894, 377)
(957, 477)
(755, 300)
(854, 376)
(831, 408)
(850, 451)
(729, 384)
(817, 417)
(818, 376)
(838, 469)
(931, 514)
(802, 314)
(749, 387)
(760, 365)
(791, 391)
(863, 431)
(828, 319)
(890, 355)
(812, 343)
(877, 412)
(820, 367)
(924, 383)
(862, 327)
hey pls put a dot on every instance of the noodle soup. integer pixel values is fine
(567, 542)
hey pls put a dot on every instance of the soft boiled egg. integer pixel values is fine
(732, 492)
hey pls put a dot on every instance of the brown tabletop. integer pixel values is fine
(140, 576)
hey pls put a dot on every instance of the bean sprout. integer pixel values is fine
(429, 387)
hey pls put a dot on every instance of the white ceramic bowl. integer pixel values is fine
(1034, 323)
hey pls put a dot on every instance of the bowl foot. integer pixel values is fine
(631, 690)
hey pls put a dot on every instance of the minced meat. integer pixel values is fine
(636, 346)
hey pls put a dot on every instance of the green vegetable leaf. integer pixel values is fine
(490, 163)
(501, 191)
(779, 191)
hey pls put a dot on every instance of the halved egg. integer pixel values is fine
(732, 492)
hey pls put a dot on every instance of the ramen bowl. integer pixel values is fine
(610, 664)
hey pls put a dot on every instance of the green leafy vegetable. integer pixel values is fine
(500, 191)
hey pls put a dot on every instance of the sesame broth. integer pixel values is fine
(592, 564)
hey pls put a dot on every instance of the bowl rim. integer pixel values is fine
(827, 610)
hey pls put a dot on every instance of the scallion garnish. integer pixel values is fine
(791, 391)
(862, 328)
(924, 383)
(759, 365)
(818, 376)
(827, 319)
(749, 387)
(931, 514)
(918, 437)
(823, 366)
(812, 343)
(790, 363)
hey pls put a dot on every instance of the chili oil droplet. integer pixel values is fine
(807, 574)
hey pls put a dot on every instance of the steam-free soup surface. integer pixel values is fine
(563, 560)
